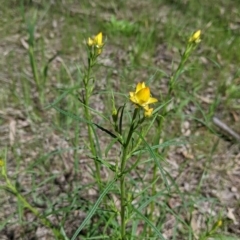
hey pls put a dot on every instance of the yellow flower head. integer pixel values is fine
(219, 223)
(96, 42)
(195, 38)
(148, 112)
(142, 97)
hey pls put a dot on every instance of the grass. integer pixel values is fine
(174, 176)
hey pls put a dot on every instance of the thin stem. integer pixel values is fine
(122, 178)
(177, 73)
(35, 73)
(26, 204)
(173, 79)
(155, 168)
(172, 82)
(123, 195)
(92, 145)
(76, 142)
(89, 118)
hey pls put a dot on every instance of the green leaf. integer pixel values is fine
(94, 209)
(108, 132)
(162, 145)
(149, 223)
(223, 237)
(105, 163)
(45, 69)
(121, 118)
(63, 95)
(110, 146)
(156, 160)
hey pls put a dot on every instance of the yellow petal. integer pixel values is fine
(197, 34)
(148, 112)
(143, 95)
(195, 37)
(151, 100)
(90, 42)
(98, 39)
(134, 99)
(140, 86)
(131, 94)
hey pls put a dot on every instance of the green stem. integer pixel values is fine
(173, 79)
(123, 195)
(35, 73)
(177, 73)
(152, 206)
(155, 168)
(88, 93)
(76, 142)
(26, 204)
(92, 145)
(172, 82)
(122, 178)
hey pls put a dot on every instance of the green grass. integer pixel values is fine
(179, 180)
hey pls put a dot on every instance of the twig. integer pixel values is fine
(226, 129)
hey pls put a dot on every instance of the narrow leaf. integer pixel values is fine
(93, 210)
(149, 223)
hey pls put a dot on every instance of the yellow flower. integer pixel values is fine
(148, 112)
(142, 97)
(96, 42)
(219, 223)
(195, 38)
